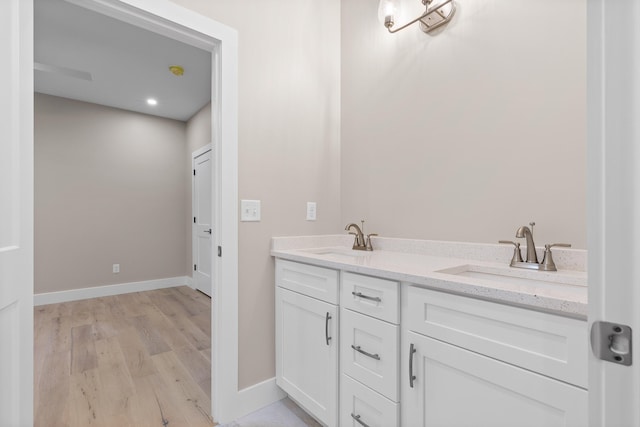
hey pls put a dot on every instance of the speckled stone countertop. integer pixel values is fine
(441, 265)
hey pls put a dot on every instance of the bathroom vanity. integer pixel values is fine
(423, 333)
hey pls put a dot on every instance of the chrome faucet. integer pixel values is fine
(360, 243)
(531, 262)
(527, 233)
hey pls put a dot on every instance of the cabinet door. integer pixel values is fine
(307, 353)
(454, 387)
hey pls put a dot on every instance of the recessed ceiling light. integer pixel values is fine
(152, 101)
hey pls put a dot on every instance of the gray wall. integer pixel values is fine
(467, 134)
(109, 188)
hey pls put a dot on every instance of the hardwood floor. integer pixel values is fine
(141, 359)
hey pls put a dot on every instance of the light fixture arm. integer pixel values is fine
(425, 26)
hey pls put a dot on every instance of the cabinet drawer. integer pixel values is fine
(370, 295)
(552, 345)
(371, 408)
(369, 352)
(316, 282)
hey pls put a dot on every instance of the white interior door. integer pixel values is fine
(16, 213)
(202, 234)
(614, 202)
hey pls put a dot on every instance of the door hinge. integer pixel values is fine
(612, 342)
(194, 172)
(220, 251)
(194, 219)
(195, 267)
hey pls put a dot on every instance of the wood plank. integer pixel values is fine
(85, 409)
(83, 350)
(169, 305)
(194, 403)
(198, 367)
(196, 295)
(192, 305)
(203, 321)
(153, 404)
(52, 390)
(136, 357)
(167, 330)
(60, 333)
(149, 336)
(192, 333)
(117, 385)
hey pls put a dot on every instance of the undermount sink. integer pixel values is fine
(516, 277)
(343, 253)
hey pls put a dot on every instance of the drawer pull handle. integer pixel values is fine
(411, 376)
(326, 328)
(359, 350)
(361, 295)
(357, 418)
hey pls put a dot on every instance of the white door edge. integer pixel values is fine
(613, 210)
(16, 214)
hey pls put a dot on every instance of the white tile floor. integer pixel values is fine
(283, 413)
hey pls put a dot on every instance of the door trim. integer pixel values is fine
(613, 203)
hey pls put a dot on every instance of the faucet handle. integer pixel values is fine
(368, 244)
(517, 255)
(560, 245)
(547, 263)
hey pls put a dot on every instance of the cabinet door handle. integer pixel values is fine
(411, 376)
(359, 421)
(361, 295)
(359, 350)
(326, 328)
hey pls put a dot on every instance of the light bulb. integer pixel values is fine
(387, 8)
(152, 101)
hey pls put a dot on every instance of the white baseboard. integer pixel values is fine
(189, 282)
(256, 397)
(108, 290)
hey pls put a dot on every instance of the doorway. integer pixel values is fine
(198, 31)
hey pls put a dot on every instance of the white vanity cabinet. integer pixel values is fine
(307, 337)
(361, 351)
(469, 362)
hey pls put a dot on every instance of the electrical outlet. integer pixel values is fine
(311, 211)
(116, 268)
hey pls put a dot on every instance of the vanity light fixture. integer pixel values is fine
(434, 16)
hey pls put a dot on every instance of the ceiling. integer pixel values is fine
(127, 65)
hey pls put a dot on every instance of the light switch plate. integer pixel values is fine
(250, 210)
(311, 211)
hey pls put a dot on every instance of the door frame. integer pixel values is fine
(176, 22)
(194, 155)
(613, 203)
